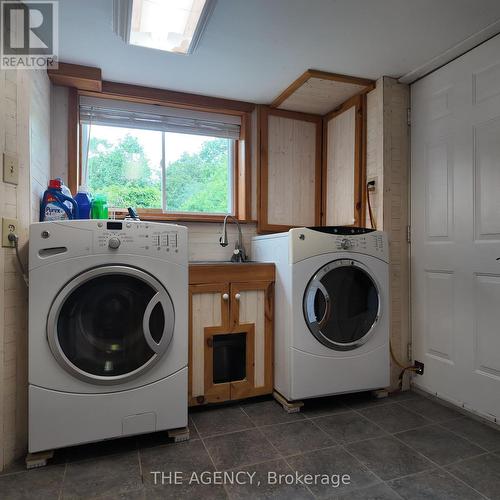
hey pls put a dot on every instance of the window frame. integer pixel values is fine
(241, 174)
(153, 212)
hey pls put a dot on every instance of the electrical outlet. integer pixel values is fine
(10, 169)
(419, 368)
(8, 226)
(372, 184)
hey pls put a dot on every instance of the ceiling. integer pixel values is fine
(253, 49)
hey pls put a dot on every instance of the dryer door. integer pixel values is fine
(110, 324)
(342, 304)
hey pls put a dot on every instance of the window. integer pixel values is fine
(159, 160)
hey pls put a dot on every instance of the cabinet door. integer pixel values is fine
(252, 312)
(343, 165)
(290, 170)
(208, 313)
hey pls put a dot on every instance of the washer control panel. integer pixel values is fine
(152, 238)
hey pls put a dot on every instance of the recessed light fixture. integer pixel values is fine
(170, 25)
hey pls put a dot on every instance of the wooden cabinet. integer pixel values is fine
(312, 168)
(343, 145)
(230, 303)
(290, 170)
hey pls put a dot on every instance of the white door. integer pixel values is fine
(455, 177)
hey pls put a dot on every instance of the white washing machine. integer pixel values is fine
(108, 332)
(331, 309)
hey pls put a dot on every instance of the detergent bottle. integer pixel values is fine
(66, 192)
(99, 207)
(55, 205)
(83, 200)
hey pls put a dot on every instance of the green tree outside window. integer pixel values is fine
(195, 182)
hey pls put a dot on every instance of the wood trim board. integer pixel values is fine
(76, 76)
(213, 272)
(138, 93)
(268, 288)
(89, 79)
(73, 139)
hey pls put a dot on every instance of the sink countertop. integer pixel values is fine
(223, 262)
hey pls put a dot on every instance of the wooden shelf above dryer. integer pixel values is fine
(319, 93)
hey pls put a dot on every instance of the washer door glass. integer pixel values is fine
(110, 324)
(342, 304)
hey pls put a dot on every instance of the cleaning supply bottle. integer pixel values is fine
(83, 201)
(99, 207)
(55, 205)
(66, 191)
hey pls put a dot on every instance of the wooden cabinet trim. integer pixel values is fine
(213, 392)
(224, 325)
(216, 273)
(268, 289)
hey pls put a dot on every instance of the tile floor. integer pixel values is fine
(406, 446)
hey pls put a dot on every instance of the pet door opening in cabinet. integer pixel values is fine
(229, 357)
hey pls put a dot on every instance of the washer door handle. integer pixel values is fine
(326, 297)
(156, 299)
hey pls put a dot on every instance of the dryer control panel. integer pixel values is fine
(309, 242)
(361, 243)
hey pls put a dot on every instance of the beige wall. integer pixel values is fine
(24, 132)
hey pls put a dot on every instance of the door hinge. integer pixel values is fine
(408, 234)
(408, 116)
(409, 351)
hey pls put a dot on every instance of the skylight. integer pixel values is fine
(170, 25)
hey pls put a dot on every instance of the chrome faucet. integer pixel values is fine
(239, 254)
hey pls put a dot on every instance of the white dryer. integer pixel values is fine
(331, 309)
(108, 333)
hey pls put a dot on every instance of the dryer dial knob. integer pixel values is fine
(114, 243)
(345, 244)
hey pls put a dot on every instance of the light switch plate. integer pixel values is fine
(8, 226)
(10, 169)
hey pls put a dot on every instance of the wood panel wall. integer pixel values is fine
(291, 176)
